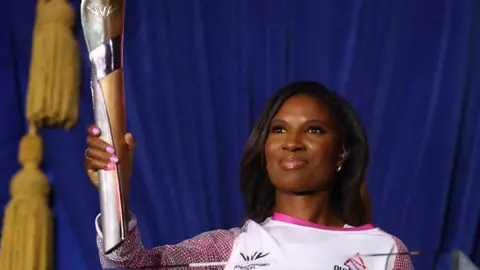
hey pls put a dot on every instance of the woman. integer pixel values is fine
(302, 178)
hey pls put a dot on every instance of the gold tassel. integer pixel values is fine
(55, 67)
(27, 229)
(53, 90)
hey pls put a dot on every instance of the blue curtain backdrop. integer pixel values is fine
(198, 73)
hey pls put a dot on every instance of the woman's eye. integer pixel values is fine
(278, 130)
(316, 130)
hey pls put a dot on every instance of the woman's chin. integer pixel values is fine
(299, 187)
(295, 188)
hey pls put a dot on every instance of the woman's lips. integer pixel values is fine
(292, 162)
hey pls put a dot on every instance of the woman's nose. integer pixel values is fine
(293, 143)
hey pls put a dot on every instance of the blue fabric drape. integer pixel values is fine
(197, 75)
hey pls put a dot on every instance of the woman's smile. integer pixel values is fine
(293, 162)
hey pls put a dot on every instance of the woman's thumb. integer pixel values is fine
(130, 141)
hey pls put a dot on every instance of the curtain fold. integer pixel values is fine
(197, 74)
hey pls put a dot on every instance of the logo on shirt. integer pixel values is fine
(354, 263)
(251, 261)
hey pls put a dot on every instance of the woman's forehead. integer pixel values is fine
(304, 106)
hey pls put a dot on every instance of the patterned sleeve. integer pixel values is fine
(211, 246)
(401, 262)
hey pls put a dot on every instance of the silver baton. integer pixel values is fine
(102, 23)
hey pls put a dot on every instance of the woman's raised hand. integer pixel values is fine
(101, 155)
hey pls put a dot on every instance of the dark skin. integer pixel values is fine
(302, 152)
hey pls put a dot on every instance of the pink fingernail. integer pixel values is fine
(96, 131)
(110, 166)
(110, 150)
(114, 159)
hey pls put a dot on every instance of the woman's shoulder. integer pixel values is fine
(219, 236)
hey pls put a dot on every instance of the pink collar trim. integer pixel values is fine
(288, 219)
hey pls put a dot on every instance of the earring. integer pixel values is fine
(343, 155)
(339, 168)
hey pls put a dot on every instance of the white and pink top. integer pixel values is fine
(281, 242)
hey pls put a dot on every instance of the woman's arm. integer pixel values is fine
(207, 247)
(211, 246)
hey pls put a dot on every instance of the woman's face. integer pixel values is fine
(302, 149)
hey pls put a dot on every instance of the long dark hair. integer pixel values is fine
(349, 198)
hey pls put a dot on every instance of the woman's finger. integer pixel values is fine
(94, 130)
(100, 155)
(94, 164)
(97, 143)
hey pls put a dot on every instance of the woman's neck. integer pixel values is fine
(313, 208)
